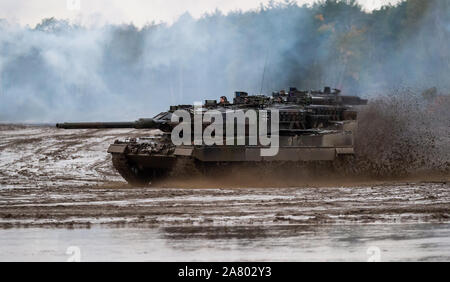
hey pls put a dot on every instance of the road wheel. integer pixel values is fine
(130, 172)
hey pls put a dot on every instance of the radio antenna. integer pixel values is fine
(264, 72)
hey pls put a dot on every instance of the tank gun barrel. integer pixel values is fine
(143, 123)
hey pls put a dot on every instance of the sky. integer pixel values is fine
(138, 12)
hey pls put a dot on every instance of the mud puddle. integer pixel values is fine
(385, 242)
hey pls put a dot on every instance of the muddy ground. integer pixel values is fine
(64, 178)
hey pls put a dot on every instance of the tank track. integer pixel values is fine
(129, 172)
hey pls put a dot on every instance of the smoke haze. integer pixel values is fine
(60, 71)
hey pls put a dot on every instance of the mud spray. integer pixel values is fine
(402, 136)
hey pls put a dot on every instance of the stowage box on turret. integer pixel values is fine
(300, 126)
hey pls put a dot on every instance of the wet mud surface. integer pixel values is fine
(62, 181)
(64, 178)
(82, 207)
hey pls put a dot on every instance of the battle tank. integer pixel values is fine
(312, 126)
